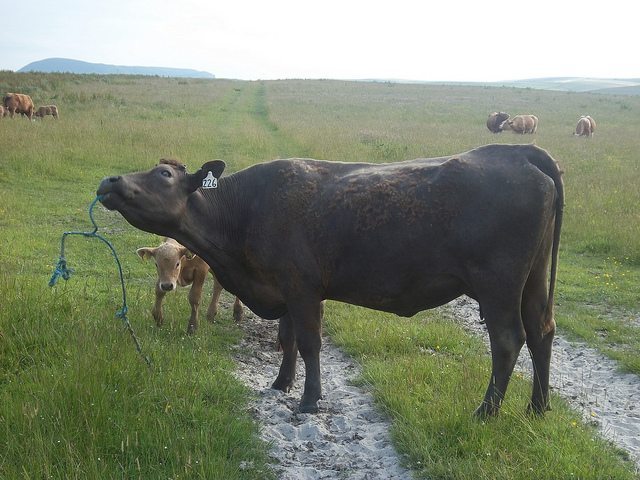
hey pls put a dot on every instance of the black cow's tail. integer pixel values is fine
(549, 166)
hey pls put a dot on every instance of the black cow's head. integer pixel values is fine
(156, 200)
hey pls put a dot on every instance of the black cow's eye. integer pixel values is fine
(166, 173)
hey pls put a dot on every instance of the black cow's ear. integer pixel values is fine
(207, 176)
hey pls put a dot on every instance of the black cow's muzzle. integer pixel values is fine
(106, 190)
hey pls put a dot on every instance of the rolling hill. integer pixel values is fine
(619, 86)
(67, 65)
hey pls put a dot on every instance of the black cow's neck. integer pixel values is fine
(212, 226)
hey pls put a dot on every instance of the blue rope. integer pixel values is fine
(61, 270)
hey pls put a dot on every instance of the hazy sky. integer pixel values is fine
(468, 40)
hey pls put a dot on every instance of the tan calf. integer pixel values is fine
(522, 124)
(47, 110)
(583, 128)
(176, 267)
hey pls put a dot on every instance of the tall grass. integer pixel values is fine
(77, 400)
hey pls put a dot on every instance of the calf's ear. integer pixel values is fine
(214, 169)
(146, 252)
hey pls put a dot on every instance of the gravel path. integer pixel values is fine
(349, 438)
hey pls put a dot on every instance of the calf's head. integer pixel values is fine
(169, 258)
(156, 200)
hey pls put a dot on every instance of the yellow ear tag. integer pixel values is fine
(210, 181)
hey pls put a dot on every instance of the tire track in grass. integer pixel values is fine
(244, 132)
(285, 146)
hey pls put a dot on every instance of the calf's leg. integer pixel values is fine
(195, 294)
(212, 311)
(157, 307)
(238, 312)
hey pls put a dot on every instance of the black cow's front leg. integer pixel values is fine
(306, 319)
(287, 339)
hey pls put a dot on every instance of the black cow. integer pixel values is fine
(496, 120)
(400, 237)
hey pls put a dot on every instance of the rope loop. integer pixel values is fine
(61, 270)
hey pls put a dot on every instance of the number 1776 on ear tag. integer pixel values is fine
(210, 181)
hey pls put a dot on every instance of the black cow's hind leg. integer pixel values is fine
(540, 351)
(507, 336)
(537, 317)
(540, 328)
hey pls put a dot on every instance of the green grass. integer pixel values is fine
(79, 402)
(598, 304)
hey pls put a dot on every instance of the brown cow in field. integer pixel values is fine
(593, 124)
(583, 128)
(398, 237)
(496, 120)
(47, 110)
(19, 103)
(176, 267)
(522, 124)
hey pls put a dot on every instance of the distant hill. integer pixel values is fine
(616, 86)
(626, 86)
(67, 65)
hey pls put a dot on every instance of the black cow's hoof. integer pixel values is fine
(308, 408)
(282, 385)
(537, 410)
(485, 411)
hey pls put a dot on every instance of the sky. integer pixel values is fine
(420, 40)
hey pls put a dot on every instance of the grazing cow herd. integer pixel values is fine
(500, 121)
(497, 122)
(13, 103)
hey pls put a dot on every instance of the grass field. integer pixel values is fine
(78, 401)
